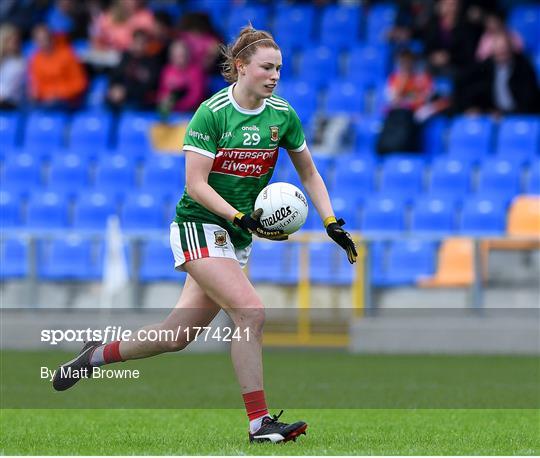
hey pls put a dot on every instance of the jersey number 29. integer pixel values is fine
(251, 139)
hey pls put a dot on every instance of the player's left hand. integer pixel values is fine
(252, 224)
(342, 238)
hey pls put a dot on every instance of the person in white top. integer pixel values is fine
(12, 68)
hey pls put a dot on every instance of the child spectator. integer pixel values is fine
(202, 40)
(408, 90)
(12, 68)
(183, 82)
(57, 79)
(133, 82)
(494, 25)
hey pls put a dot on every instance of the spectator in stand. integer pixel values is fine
(57, 78)
(450, 39)
(411, 20)
(183, 82)
(409, 87)
(112, 31)
(494, 24)
(114, 28)
(133, 83)
(202, 39)
(12, 68)
(503, 83)
(164, 33)
(408, 90)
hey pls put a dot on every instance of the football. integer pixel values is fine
(284, 207)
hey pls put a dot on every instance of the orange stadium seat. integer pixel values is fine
(524, 217)
(455, 265)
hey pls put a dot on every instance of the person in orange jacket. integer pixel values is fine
(57, 78)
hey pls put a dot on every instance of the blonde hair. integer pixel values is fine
(6, 31)
(245, 45)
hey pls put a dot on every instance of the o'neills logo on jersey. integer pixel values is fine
(244, 162)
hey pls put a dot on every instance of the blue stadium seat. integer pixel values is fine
(433, 134)
(325, 165)
(68, 175)
(240, 15)
(383, 214)
(402, 176)
(97, 91)
(92, 211)
(142, 211)
(90, 130)
(434, 215)
(450, 176)
(9, 128)
(340, 26)
(367, 131)
(532, 185)
(367, 64)
(293, 25)
(134, 133)
(343, 97)
(115, 176)
(274, 263)
(483, 216)
(47, 210)
(356, 176)
(66, 258)
(381, 18)
(10, 210)
(470, 137)
(157, 262)
(164, 176)
(13, 258)
(410, 260)
(328, 264)
(345, 207)
(21, 174)
(525, 19)
(377, 253)
(301, 96)
(44, 131)
(536, 63)
(519, 137)
(318, 66)
(499, 177)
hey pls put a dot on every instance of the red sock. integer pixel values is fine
(255, 404)
(111, 352)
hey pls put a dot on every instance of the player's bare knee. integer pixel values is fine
(250, 318)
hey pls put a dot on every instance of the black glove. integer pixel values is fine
(252, 224)
(341, 237)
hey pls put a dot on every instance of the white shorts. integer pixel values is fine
(191, 241)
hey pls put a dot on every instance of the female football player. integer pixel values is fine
(231, 148)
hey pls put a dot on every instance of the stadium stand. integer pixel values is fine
(475, 176)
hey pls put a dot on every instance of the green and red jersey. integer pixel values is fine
(244, 146)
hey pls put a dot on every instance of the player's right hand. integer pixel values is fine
(252, 224)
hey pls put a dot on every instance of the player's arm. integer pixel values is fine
(198, 168)
(317, 191)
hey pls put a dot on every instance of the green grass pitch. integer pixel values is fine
(499, 390)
